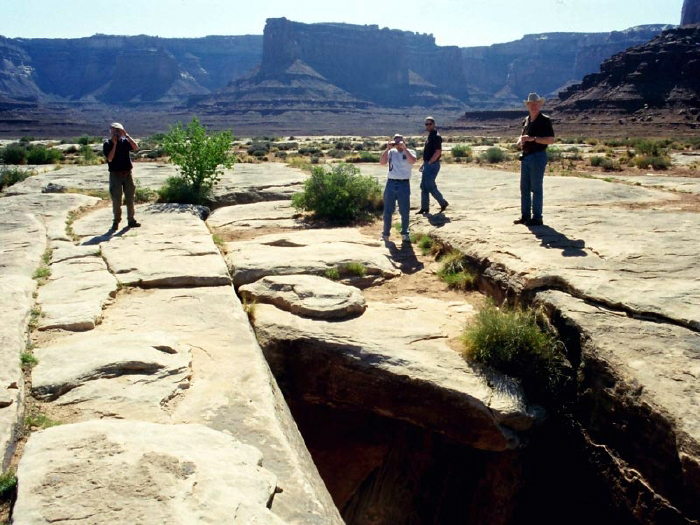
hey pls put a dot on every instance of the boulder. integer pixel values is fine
(137, 472)
(259, 215)
(307, 296)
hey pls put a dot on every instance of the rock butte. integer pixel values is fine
(172, 408)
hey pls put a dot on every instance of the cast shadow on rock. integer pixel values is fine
(404, 257)
(551, 238)
(438, 220)
(97, 239)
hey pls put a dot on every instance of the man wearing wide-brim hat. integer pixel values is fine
(536, 135)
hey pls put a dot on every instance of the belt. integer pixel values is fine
(399, 180)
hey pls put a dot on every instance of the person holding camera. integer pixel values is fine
(536, 135)
(398, 184)
(117, 149)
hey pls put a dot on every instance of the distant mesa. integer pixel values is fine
(663, 73)
(691, 12)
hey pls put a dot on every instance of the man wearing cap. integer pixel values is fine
(536, 135)
(398, 184)
(432, 151)
(117, 149)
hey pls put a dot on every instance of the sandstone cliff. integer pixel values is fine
(664, 73)
(502, 75)
(690, 13)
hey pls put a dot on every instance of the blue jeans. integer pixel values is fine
(396, 190)
(531, 181)
(429, 187)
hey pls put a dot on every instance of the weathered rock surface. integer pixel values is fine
(690, 13)
(250, 217)
(172, 248)
(26, 225)
(78, 288)
(393, 360)
(138, 472)
(307, 296)
(309, 252)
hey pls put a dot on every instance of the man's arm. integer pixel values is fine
(435, 156)
(385, 154)
(134, 146)
(410, 155)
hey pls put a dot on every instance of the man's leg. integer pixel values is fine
(129, 192)
(115, 192)
(389, 206)
(537, 183)
(404, 198)
(431, 185)
(424, 193)
(525, 202)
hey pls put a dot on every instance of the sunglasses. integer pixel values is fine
(430, 123)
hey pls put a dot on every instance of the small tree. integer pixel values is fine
(200, 158)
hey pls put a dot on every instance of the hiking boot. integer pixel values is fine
(522, 220)
(421, 211)
(535, 222)
(406, 237)
(133, 223)
(443, 207)
(385, 238)
(115, 226)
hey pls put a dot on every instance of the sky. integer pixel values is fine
(462, 23)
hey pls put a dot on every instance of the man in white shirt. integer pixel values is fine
(398, 184)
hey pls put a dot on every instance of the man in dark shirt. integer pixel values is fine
(117, 149)
(536, 135)
(430, 168)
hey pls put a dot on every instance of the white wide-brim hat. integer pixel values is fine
(533, 97)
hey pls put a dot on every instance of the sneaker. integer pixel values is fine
(444, 206)
(421, 211)
(134, 223)
(115, 226)
(535, 222)
(522, 220)
(406, 237)
(385, 238)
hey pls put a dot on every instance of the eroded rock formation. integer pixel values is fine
(690, 13)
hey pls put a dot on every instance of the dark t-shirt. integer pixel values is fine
(122, 159)
(540, 127)
(433, 143)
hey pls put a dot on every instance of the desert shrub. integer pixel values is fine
(364, 156)
(553, 154)
(462, 152)
(8, 485)
(455, 271)
(344, 145)
(597, 161)
(493, 155)
(512, 342)
(359, 147)
(145, 194)
(336, 153)
(88, 157)
(13, 175)
(84, 140)
(332, 273)
(309, 150)
(354, 268)
(13, 154)
(200, 158)
(43, 155)
(651, 148)
(286, 146)
(338, 193)
(259, 148)
(425, 243)
(25, 140)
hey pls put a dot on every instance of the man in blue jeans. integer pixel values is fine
(536, 135)
(432, 151)
(398, 184)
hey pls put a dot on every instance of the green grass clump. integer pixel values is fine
(8, 484)
(43, 155)
(455, 271)
(354, 268)
(28, 359)
(10, 176)
(42, 273)
(339, 194)
(493, 155)
(462, 152)
(512, 342)
(425, 243)
(39, 421)
(332, 273)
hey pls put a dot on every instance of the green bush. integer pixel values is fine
(651, 148)
(462, 152)
(553, 154)
(364, 156)
(88, 157)
(455, 271)
(511, 342)
(8, 484)
(200, 158)
(10, 176)
(332, 273)
(493, 155)
(14, 154)
(339, 193)
(43, 155)
(354, 268)
(84, 140)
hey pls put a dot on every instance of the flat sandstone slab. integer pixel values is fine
(136, 472)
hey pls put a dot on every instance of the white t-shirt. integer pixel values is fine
(399, 166)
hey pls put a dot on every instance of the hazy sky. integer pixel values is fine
(453, 22)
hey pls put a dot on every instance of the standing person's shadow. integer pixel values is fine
(404, 257)
(551, 238)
